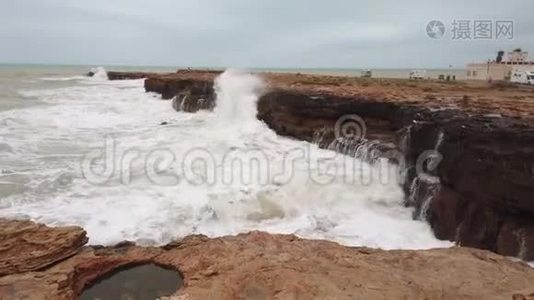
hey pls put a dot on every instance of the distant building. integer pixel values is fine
(501, 69)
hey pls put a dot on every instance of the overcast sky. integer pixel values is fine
(254, 33)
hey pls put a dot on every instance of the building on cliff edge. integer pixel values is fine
(502, 67)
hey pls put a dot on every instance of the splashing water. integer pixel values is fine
(99, 73)
(311, 195)
(237, 94)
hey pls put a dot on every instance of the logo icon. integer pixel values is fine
(351, 127)
(435, 29)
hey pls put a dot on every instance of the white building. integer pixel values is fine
(501, 69)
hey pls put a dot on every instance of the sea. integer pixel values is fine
(124, 165)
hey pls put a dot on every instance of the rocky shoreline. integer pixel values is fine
(484, 134)
(478, 196)
(255, 265)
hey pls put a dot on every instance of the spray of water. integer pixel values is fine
(99, 73)
(237, 93)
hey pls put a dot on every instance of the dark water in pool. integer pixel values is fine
(146, 282)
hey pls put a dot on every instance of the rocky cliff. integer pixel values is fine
(486, 180)
(256, 266)
(484, 133)
(130, 75)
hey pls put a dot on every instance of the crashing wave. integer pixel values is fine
(98, 73)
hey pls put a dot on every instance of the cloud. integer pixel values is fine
(251, 33)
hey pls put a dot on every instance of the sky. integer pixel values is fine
(256, 33)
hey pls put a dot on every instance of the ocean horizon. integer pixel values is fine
(399, 73)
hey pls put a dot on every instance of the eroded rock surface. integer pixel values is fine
(26, 246)
(264, 266)
(486, 176)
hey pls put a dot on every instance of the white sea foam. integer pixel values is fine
(99, 73)
(62, 78)
(48, 143)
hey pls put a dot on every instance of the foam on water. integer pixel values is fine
(99, 74)
(50, 143)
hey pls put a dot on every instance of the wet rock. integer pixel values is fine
(281, 267)
(485, 174)
(516, 238)
(302, 115)
(192, 99)
(509, 240)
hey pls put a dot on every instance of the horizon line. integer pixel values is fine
(178, 67)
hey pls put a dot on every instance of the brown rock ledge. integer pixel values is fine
(258, 265)
(26, 246)
(470, 96)
(129, 75)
